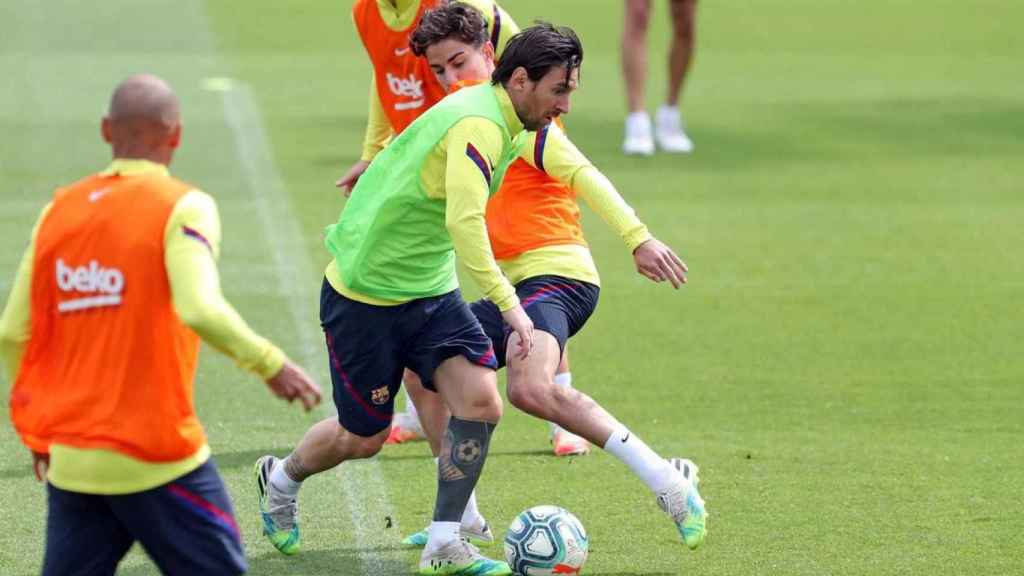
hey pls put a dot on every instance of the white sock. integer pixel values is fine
(441, 533)
(561, 379)
(471, 513)
(282, 482)
(652, 469)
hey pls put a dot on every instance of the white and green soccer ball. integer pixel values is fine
(546, 540)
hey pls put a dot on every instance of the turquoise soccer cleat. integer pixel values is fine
(280, 522)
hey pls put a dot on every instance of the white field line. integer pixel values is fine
(362, 481)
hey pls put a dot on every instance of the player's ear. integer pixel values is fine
(175, 137)
(489, 51)
(106, 131)
(519, 79)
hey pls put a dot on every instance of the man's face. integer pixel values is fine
(454, 61)
(538, 103)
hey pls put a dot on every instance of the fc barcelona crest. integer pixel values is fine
(380, 396)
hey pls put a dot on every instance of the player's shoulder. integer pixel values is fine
(196, 207)
(478, 128)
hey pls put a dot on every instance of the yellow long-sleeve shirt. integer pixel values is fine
(450, 173)
(399, 15)
(564, 162)
(195, 288)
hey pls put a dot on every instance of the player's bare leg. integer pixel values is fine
(470, 392)
(434, 417)
(669, 127)
(639, 138)
(531, 389)
(325, 445)
(563, 442)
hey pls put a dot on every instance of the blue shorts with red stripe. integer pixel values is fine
(557, 305)
(187, 526)
(369, 346)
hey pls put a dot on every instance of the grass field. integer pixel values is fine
(846, 364)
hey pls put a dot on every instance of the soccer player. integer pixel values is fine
(100, 336)
(668, 127)
(534, 228)
(390, 296)
(401, 88)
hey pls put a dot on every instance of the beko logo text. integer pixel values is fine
(410, 87)
(103, 285)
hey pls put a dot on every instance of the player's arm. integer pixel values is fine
(551, 151)
(378, 127)
(16, 320)
(191, 247)
(378, 132)
(473, 148)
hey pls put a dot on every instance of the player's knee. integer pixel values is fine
(367, 447)
(350, 446)
(531, 395)
(485, 405)
(638, 12)
(490, 409)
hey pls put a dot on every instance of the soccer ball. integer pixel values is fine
(546, 540)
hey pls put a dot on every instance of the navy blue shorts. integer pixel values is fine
(187, 526)
(369, 346)
(556, 305)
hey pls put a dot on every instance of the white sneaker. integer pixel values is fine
(638, 135)
(669, 131)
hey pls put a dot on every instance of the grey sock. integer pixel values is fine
(463, 452)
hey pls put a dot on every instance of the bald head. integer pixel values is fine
(143, 120)
(144, 97)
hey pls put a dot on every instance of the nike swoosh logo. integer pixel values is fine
(97, 194)
(624, 438)
(401, 51)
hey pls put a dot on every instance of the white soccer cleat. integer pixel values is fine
(639, 141)
(460, 557)
(669, 131)
(683, 503)
(687, 467)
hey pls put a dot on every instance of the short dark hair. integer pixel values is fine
(455, 20)
(538, 49)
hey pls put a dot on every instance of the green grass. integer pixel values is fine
(844, 365)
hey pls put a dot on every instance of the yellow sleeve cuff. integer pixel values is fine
(269, 363)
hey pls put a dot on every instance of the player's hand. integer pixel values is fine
(40, 464)
(292, 382)
(659, 263)
(348, 181)
(523, 326)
